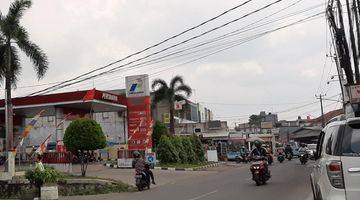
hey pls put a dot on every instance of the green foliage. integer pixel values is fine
(84, 135)
(198, 148)
(177, 142)
(38, 178)
(159, 129)
(81, 137)
(176, 90)
(166, 152)
(255, 120)
(189, 149)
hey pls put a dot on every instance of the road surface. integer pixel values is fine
(290, 181)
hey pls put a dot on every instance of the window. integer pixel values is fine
(319, 144)
(332, 140)
(351, 141)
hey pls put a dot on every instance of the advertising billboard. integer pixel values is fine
(139, 112)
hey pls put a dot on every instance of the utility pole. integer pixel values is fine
(320, 97)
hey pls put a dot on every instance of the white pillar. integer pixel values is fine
(59, 116)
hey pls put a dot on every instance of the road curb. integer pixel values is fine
(190, 169)
(116, 166)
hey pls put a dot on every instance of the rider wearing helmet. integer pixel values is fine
(288, 150)
(138, 163)
(258, 150)
(303, 149)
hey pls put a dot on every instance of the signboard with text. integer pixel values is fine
(139, 112)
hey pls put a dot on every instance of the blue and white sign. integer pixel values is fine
(150, 158)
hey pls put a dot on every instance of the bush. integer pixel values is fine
(159, 129)
(166, 152)
(188, 149)
(177, 142)
(198, 148)
(83, 136)
(48, 176)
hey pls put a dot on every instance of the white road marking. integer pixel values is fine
(204, 195)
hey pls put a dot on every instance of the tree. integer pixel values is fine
(166, 152)
(177, 142)
(255, 120)
(13, 36)
(189, 149)
(83, 136)
(198, 148)
(159, 129)
(175, 91)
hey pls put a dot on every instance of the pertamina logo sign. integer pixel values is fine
(136, 88)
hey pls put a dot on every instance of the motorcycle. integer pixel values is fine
(281, 158)
(289, 156)
(259, 171)
(142, 181)
(270, 158)
(303, 158)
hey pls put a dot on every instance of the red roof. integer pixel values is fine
(328, 116)
(67, 97)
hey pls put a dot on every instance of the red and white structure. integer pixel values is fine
(125, 115)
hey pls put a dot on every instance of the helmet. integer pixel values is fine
(257, 143)
(302, 145)
(136, 154)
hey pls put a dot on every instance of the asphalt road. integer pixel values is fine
(290, 181)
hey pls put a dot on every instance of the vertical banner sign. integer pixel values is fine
(139, 112)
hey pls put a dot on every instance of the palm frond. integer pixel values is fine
(160, 94)
(174, 81)
(158, 83)
(184, 89)
(179, 97)
(16, 11)
(36, 55)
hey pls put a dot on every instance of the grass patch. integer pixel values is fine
(104, 189)
(182, 165)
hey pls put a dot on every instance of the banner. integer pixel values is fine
(28, 128)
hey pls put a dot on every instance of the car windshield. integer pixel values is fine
(351, 141)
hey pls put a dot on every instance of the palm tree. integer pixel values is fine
(13, 36)
(176, 91)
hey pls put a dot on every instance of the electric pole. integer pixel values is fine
(320, 97)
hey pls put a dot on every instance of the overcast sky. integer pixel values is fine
(275, 73)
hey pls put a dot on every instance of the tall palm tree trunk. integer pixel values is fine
(8, 106)
(172, 120)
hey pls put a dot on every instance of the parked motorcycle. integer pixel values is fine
(303, 158)
(142, 181)
(259, 171)
(281, 158)
(289, 156)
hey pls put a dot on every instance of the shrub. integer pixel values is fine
(39, 178)
(166, 152)
(159, 129)
(188, 149)
(177, 142)
(198, 148)
(83, 136)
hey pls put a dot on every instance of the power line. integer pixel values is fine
(249, 39)
(231, 34)
(157, 52)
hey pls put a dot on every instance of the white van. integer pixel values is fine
(336, 173)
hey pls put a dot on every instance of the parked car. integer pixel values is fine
(233, 155)
(337, 167)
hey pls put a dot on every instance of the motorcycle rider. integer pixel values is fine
(141, 166)
(261, 152)
(303, 149)
(258, 150)
(289, 150)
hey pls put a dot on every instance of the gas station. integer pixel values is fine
(125, 115)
